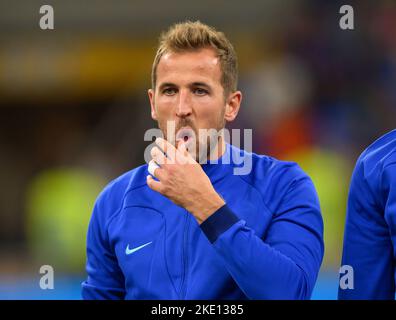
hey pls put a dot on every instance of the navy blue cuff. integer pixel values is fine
(220, 221)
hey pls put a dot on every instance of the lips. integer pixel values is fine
(186, 134)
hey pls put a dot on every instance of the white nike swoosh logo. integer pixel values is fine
(130, 251)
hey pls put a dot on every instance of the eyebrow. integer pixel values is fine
(194, 84)
(201, 84)
(165, 85)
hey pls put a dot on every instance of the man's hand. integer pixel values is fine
(182, 180)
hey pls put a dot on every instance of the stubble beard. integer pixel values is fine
(203, 151)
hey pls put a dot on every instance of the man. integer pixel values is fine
(197, 230)
(370, 230)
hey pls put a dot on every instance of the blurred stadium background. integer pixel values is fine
(73, 111)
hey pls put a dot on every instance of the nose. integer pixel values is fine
(183, 108)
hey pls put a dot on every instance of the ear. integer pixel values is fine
(151, 94)
(233, 104)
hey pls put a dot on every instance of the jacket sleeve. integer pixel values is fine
(285, 263)
(367, 245)
(105, 279)
(390, 218)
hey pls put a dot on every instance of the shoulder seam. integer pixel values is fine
(288, 189)
(112, 216)
(390, 164)
(259, 192)
(388, 156)
(118, 211)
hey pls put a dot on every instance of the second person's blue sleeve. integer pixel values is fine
(367, 245)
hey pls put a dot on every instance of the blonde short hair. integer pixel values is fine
(190, 36)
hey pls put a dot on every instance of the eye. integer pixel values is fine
(200, 91)
(169, 91)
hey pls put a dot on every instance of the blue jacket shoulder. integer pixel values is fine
(380, 153)
(111, 199)
(373, 163)
(274, 178)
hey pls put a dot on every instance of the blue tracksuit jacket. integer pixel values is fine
(265, 243)
(370, 231)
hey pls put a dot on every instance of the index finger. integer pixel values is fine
(168, 148)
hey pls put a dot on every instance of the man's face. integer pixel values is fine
(189, 93)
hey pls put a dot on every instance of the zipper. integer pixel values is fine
(183, 286)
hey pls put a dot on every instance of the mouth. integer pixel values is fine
(185, 134)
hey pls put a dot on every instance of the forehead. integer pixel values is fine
(202, 65)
